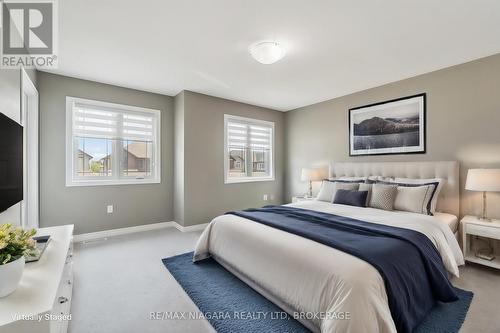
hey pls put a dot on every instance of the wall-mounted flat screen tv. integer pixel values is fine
(11, 162)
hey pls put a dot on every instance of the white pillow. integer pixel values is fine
(425, 181)
(414, 199)
(326, 191)
(329, 188)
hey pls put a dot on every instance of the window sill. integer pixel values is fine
(247, 180)
(79, 183)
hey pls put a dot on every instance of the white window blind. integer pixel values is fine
(109, 123)
(111, 144)
(249, 135)
(248, 149)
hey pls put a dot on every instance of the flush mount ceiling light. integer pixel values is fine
(267, 52)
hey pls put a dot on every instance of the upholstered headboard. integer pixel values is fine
(449, 198)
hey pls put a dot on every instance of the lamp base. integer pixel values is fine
(310, 194)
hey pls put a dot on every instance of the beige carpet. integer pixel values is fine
(119, 282)
(484, 313)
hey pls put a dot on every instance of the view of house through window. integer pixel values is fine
(112, 143)
(248, 149)
(95, 157)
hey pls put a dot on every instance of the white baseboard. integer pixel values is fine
(190, 228)
(121, 231)
(140, 228)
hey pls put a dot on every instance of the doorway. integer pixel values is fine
(29, 120)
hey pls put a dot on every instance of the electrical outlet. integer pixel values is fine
(110, 209)
(264, 197)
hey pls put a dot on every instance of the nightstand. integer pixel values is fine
(298, 198)
(473, 226)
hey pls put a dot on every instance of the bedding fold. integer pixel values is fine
(410, 265)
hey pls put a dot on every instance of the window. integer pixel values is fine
(111, 144)
(248, 150)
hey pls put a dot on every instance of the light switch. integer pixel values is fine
(110, 209)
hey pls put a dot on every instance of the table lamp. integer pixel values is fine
(313, 175)
(484, 180)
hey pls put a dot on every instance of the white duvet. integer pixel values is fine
(326, 289)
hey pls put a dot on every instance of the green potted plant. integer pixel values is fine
(15, 243)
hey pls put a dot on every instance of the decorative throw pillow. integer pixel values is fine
(368, 188)
(383, 196)
(351, 198)
(414, 199)
(437, 190)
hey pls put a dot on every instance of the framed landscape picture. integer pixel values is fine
(392, 127)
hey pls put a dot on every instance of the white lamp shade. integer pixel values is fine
(313, 174)
(487, 180)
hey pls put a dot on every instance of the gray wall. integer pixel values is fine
(86, 206)
(463, 123)
(205, 194)
(33, 75)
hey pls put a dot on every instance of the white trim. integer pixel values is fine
(190, 228)
(115, 106)
(156, 163)
(248, 180)
(30, 122)
(140, 228)
(105, 182)
(227, 180)
(121, 231)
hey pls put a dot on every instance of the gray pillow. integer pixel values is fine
(368, 188)
(383, 196)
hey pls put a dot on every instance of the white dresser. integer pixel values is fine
(42, 301)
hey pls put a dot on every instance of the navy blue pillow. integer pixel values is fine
(351, 198)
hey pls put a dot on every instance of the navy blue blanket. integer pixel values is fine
(412, 269)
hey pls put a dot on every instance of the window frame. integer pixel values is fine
(117, 179)
(247, 179)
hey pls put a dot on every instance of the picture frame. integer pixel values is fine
(396, 126)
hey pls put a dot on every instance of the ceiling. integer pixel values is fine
(333, 47)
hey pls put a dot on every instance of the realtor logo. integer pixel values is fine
(28, 34)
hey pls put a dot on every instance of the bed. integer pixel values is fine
(308, 278)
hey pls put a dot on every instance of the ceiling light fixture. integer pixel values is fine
(267, 52)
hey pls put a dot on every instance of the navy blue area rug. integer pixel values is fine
(231, 306)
